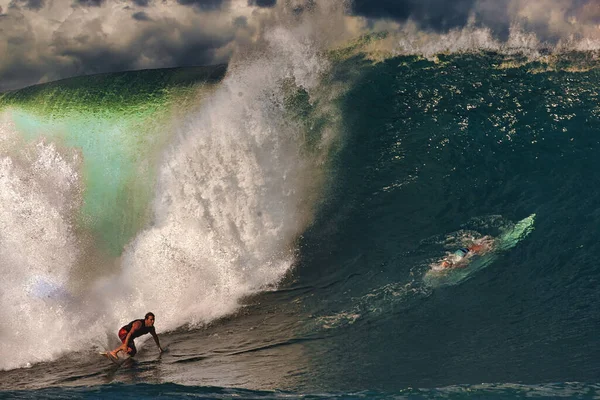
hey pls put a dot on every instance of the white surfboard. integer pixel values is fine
(114, 360)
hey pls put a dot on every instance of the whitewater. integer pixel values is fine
(281, 216)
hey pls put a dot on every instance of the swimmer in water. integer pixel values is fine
(479, 247)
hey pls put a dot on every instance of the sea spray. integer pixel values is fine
(120, 123)
(40, 193)
(234, 192)
(238, 182)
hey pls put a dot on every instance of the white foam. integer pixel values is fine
(409, 39)
(234, 193)
(39, 189)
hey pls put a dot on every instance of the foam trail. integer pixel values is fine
(234, 192)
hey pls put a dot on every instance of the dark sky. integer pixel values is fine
(438, 15)
(433, 14)
(543, 17)
(44, 40)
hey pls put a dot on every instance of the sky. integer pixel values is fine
(46, 40)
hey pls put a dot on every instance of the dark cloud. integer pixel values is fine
(440, 15)
(142, 3)
(20, 76)
(549, 20)
(240, 22)
(16, 41)
(89, 3)
(89, 54)
(433, 14)
(190, 47)
(303, 6)
(28, 4)
(96, 60)
(99, 40)
(141, 16)
(19, 65)
(262, 3)
(493, 14)
(202, 4)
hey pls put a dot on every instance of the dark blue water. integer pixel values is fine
(433, 147)
(428, 150)
(173, 391)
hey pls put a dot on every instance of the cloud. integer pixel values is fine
(90, 3)
(30, 4)
(202, 4)
(63, 39)
(43, 40)
(262, 3)
(141, 16)
(434, 14)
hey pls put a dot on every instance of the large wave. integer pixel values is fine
(233, 194)
(236, 185)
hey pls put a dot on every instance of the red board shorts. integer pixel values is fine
(131, 350)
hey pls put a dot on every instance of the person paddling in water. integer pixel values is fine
(455, 259)
(135, 329)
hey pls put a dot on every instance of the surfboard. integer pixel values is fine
(107, 355)
(508, 238)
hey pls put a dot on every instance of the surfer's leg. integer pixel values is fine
(115, 352)
(122, 336)
(131, 350)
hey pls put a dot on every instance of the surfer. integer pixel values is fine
(479, 247)
(132, 330)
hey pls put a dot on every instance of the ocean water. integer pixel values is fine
(281, 216)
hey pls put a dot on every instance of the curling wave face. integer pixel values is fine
(234, 189)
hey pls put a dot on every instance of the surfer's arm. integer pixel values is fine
(155, 337)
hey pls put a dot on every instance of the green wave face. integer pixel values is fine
(118, 123)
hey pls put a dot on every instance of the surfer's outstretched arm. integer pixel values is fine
(155, 336)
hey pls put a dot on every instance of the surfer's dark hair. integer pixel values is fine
(149, 315)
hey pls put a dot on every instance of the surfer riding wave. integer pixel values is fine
(133, 330)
